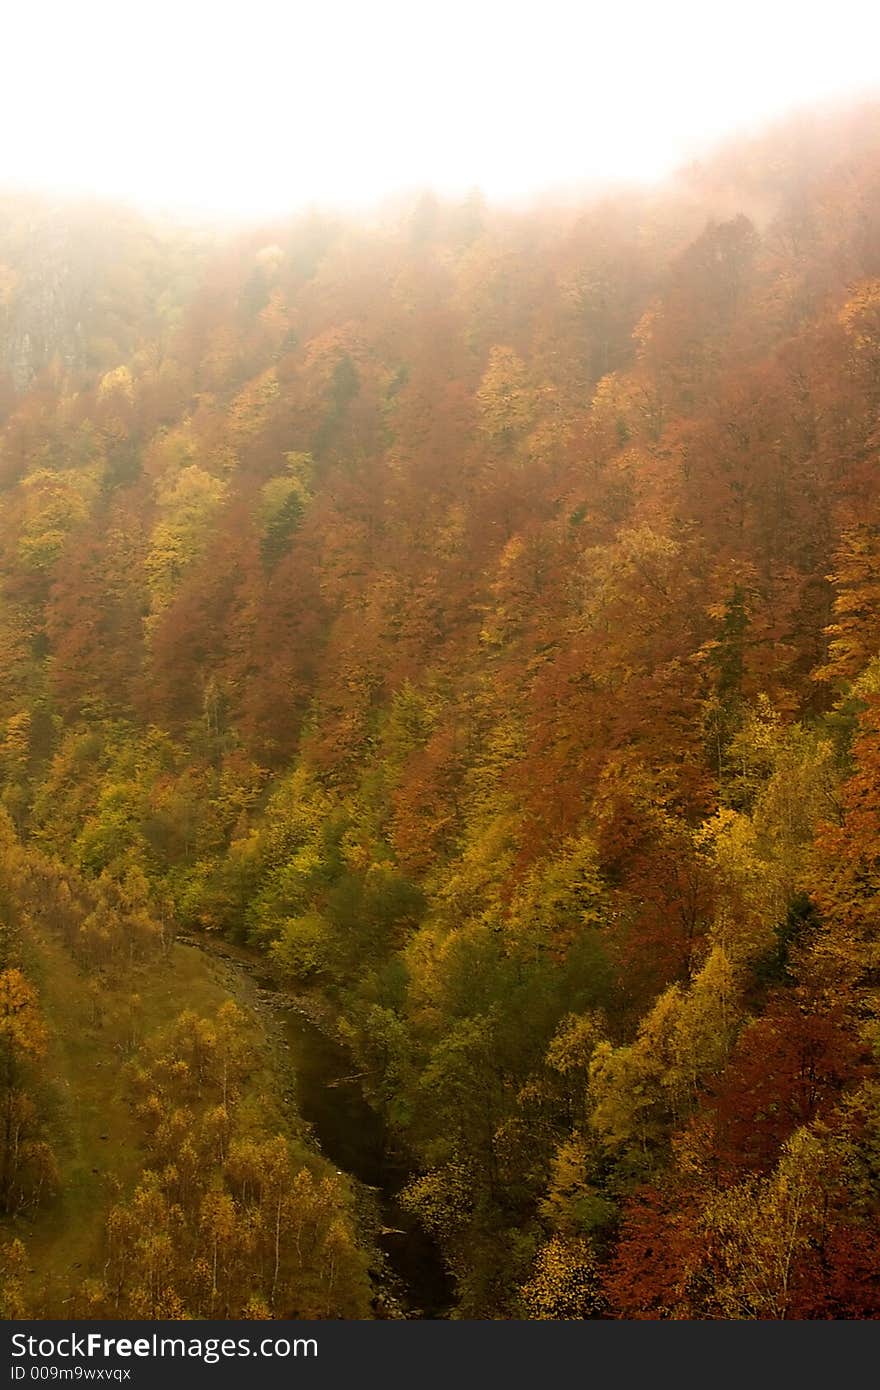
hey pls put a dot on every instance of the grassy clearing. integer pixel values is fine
(93, 1034)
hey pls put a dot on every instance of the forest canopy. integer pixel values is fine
(477, 612)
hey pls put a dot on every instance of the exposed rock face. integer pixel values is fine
(81, 285)
(43, 329)
(42, 288)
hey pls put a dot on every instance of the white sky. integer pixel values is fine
(262, 106)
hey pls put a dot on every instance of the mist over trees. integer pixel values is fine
(478, 612)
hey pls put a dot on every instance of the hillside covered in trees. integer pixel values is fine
(477, 612)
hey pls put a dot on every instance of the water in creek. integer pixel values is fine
(353, 1136)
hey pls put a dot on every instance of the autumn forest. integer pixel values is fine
(453, 635)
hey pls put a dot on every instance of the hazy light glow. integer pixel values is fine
(257, 108)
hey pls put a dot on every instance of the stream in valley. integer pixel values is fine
(348, 1132)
